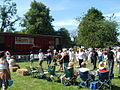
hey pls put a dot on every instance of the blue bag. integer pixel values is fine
(94, 85)
(10, 82)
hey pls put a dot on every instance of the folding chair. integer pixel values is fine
(105, 80)
(85, 79)
(33, 73)
(68, 78)
(52, 75)
(41, 75)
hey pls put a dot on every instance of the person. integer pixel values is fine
(65, 58)
(81, 56)
(41, 57)
(4, 71)
(100, 55)
(59, 56)
(31, 58)
(84, 69)
(73, 74)
(12, 62)
(71, 55)
(94, 56)
(118, 59)
(7, 53)
(102, 67)
(55, 54)
(110, 60)
(49, 57)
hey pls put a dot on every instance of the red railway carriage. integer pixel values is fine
(19, 44)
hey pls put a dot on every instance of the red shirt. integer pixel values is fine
(103, 70)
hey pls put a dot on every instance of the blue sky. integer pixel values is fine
(64, 12)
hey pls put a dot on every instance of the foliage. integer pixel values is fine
(38, 20)
(95, 31)
(8, 16)
(63, 32)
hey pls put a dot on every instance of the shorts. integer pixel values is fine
(48, 61)
(31, 60)
(4, 84)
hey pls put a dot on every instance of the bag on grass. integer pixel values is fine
(94, 85)
(10, 82)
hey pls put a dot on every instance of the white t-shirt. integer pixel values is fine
(11, 62)
(41, 56)
(82, 69)
(71, 55)
(81, 55)
(99, 53)
(2, 66)
(118, 56)
(31, 56)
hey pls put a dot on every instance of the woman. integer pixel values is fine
(49, 57)
(4, 71)
(81, 56)
(102, 67)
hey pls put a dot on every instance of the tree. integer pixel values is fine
(8, 16)
(38, 20)
(63, 32)
(95, 31)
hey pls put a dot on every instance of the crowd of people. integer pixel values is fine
(102, 60)
(63, 58)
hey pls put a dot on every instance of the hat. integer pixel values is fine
(48, 50)
(64, 49)
(70, 49)
(102, 65)
(71, 64)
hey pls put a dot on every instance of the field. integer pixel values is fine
(29, 83)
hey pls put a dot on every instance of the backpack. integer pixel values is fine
(94, 85)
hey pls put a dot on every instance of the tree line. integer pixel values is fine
(94, 30)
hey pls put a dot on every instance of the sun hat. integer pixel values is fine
(102, 65)
(71, 64)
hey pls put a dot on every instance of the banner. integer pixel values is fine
(24, 40)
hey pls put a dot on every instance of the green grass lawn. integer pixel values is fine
(29, 83)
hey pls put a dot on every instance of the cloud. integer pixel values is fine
(65, 23)
(60, 5)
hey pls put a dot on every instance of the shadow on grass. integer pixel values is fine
(115, 88)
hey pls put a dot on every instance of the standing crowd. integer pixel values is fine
(62, 58)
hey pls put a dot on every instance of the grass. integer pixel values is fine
(29, 83)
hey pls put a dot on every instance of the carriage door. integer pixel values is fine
(2, 46)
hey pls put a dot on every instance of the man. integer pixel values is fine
(94, 56)
(41, 57)
(71, 55)
(110, 59)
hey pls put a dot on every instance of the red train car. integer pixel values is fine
(19, 44)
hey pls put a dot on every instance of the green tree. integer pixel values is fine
(8, 16)
(38, 20)
(63, 32)
(96, 31)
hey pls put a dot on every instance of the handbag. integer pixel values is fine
(10, 82)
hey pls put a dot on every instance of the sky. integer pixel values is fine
(64, 12)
